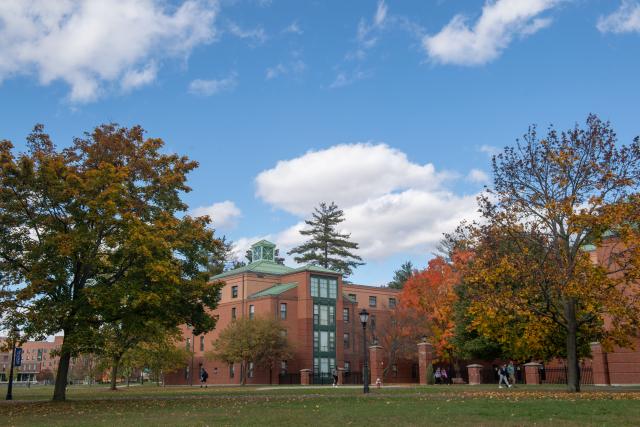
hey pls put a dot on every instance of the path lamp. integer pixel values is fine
(364, 317)
(193, 350)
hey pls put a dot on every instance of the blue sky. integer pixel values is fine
(391, 109)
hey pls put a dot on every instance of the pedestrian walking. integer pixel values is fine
(334, 373)
(444, 376)
(204, 375)
(438, 376)
(503, 374)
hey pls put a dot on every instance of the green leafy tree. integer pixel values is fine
(251, 340)
(401, 275)
(160, 356)
(77, 224)
(326, 246)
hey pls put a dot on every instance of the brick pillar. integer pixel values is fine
(304, 376)
(425, 357)
(340, 376)
(376, 363)
(600, 364)
(532, 373)
(475, 374)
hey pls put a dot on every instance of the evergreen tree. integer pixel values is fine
(327, 247)
(401, 275)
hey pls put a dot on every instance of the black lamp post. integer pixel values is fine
(364, 317)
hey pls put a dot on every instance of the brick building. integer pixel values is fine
(319, 314)
(36, 359)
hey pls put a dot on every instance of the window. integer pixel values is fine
(314, 286)
(188, 344)
(232, 370)
(333, 289)
(250, 373)
(316, 340)
(373, 301)
(252, 311)
(347, 366)
(324, 315)
(202, 343)
(323, 288)
(372, 322)
(353, 297)
(283, 311)
(316, 365)
(345, 339)
(324, 341)
(234, 292)
(332, 315)
(392, 303)
(332, 341)
(316, 314)
(283, 367)
(233, 313)
(345, 314)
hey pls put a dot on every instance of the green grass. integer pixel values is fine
(297, 406)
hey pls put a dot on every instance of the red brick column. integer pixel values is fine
(475, 374)
(340, 376)
(425, 357)
(600, 365)
(376, 363)
(532, 373)
(304, 376)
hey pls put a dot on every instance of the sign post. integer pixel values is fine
(16, 359)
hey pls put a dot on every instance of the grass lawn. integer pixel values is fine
(298, 406)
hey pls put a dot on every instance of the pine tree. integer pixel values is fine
(327, 247)
(401, 275)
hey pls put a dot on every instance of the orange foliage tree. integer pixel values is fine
(431, 293)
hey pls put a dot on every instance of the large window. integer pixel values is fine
(373, 301)
(324, 287)
(283, 311)
(234, 292)
(323, 365)
(324, 341)
(324, 315)
(345, 315)
(252, 311)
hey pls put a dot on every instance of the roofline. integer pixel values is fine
(385, 288)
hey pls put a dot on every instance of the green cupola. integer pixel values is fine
(263, 251)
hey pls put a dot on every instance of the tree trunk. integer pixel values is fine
(114, 373)
(573, 367)
(242, 373)
(60, 389)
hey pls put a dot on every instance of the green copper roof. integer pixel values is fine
(588, 248)
(264, 243)
(262, 266)
(274, 290)
(315, 269)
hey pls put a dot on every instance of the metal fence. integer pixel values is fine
(322, 378)
(288, 378)
(352, 378)
(559, 375)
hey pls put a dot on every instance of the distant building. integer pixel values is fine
(36, 359)
(319, 314)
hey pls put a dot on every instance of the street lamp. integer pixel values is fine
(364, 317)
(193, 350)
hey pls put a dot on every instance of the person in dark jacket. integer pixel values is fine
(204, 375)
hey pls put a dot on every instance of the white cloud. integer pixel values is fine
(489, 150)
(624, 20)
(477, 176)
(501, 20)
(94, 44)
(296, 66)
(256, 36)
(345, 79)
(347, 174)
(212, 87)
(381, 14)
(293, 28)
(223, 214)
(391, 204)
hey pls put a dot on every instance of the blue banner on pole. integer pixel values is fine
(18, 359)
